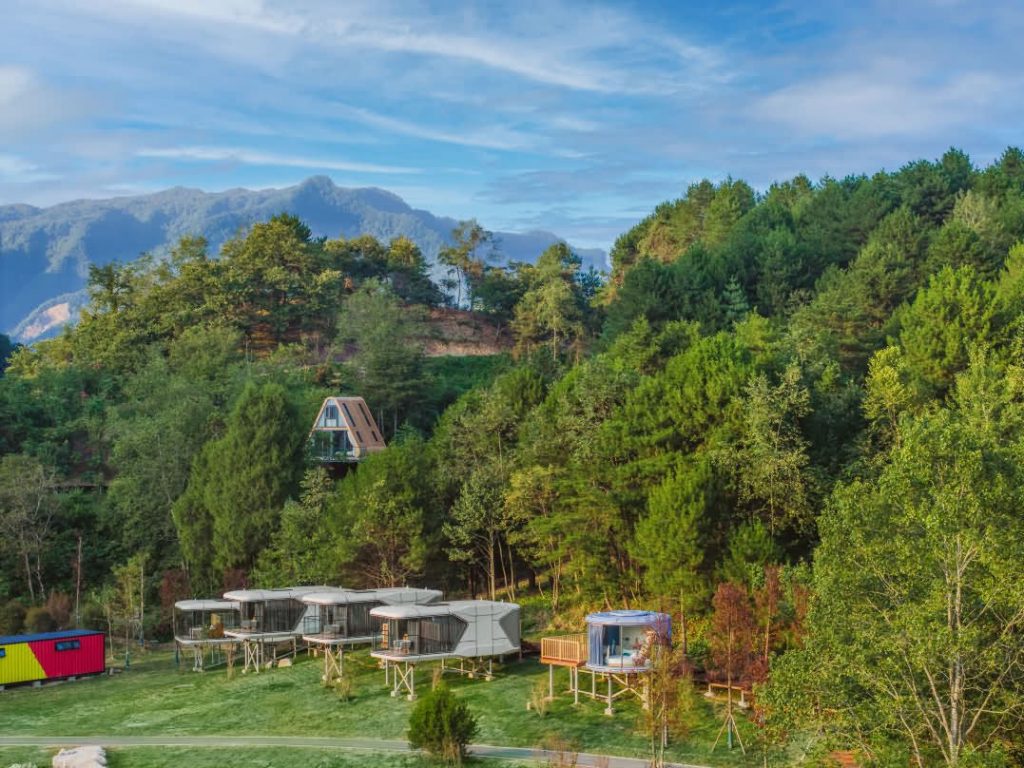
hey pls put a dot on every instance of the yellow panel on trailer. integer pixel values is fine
(18, 664)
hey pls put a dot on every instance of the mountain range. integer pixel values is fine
(45, 253)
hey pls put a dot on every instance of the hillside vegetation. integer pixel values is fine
(45, 253)
(794, 419)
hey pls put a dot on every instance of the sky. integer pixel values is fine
(577, 118)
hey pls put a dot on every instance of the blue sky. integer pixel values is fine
(572, 117)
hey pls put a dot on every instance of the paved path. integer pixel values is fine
(315, 742)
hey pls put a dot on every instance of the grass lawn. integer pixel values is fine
(164, 757)
(154, 698)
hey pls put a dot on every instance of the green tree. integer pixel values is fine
(918, 603)
(954, 313)
(670, 541)
(167, 411)
(383, 517)
(387, 365)
(551, 311)
(6, 350)
(465, 259)
(478, 527)
(240, 482)
(442, 725)
(771, 461)
(295, 555)
(27, 507)
(274, 283)
(734, 301)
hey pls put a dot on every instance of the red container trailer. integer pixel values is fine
(51, 656)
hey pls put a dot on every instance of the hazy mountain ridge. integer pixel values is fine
(45, 253)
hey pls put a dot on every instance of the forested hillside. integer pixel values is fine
(792, 418)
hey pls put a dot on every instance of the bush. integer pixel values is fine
(442, 725)
(12, 618)
(38, 619)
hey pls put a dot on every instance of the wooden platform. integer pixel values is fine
(564, 650)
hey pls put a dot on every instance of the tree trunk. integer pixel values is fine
(39, 575)
(78, 583)
(142, 603)
(28, 577)
(682, 623)
(492, 574)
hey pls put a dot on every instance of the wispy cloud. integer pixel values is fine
(882, 102)
(537, 49)
(269, 159)
(20, 171)
(490, 138)
(27, 104)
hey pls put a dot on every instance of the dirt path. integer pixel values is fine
(315, 742)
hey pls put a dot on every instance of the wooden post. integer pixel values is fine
(575, 679)
(551, 681)
(608, 710)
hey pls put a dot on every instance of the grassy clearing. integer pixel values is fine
(154, 698)
(209, 757)
(25, 756)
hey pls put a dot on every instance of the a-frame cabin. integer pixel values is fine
(344, 431)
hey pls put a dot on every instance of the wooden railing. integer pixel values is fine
(565, 649)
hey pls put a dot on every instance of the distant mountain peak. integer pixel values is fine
(45, 253)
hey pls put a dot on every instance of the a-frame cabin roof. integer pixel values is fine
(353, 416)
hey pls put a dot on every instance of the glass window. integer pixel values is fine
(3, 652)
(67, 645)
(329, 417)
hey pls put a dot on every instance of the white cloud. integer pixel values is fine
(18, 170)
(593, 48)
(493, 138)
(253, 157)
(28, 105)
(254, 14)
(885, 101)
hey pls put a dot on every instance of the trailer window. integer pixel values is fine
(68, 645)
(3, 652)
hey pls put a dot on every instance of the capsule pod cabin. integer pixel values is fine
(623, 641)
(273, 614)
(459, 629)
(205, 621)
(343, 616)
(51, 656)
(471, 632)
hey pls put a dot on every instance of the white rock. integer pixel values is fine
(81, 757)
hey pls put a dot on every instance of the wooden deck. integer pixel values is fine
(564, 650)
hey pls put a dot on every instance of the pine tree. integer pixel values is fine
(734, 302)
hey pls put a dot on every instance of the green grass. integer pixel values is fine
(153, 698)
(24, 756)
(164, 757)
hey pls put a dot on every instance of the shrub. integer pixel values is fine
(12, 618)
(442, 725)
(539, 700)
(38, 619)
(343, 687)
